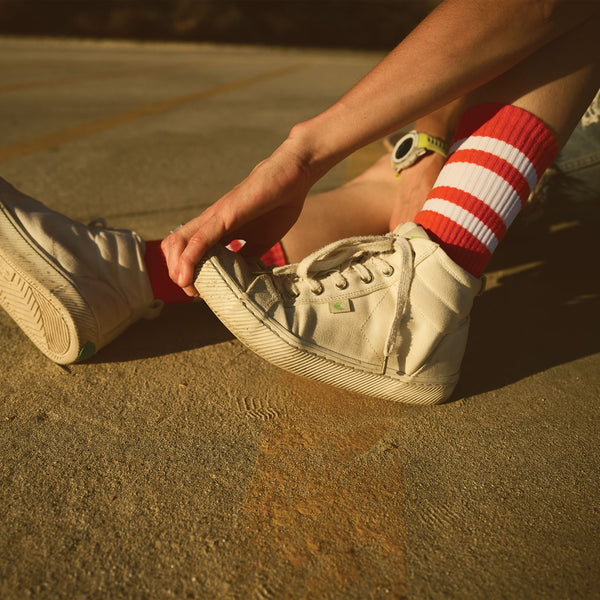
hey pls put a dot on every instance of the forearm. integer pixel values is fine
(460, 46)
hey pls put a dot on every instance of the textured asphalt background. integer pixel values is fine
(176, 464)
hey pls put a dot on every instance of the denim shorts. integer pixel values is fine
(577, 168)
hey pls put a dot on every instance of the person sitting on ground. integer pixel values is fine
(384, 271)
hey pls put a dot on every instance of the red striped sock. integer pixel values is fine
(498, 155)
(170, 293)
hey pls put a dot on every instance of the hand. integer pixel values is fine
(260, 210)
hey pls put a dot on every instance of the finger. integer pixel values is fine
(172, 247)
(191, 256)
(191, 291)
(207, 231)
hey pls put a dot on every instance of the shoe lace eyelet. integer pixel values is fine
(342, 286)
(318, 291)
(291, 291)
(389, 271)
(368, 279)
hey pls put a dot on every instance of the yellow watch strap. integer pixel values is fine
(435, 144)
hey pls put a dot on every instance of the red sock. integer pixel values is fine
(275, 256)
(162, 286)
(170, 293)
(498, 155)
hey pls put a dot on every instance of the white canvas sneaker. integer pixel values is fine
(71, 288)
(386, 316)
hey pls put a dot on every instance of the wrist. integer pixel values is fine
(414, 146)
(317, 147)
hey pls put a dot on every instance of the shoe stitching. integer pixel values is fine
(369, 316)
(435, 293)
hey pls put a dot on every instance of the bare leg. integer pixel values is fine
(415, 183)
(376, 201)
(360, 207)
(556, 84)
(510, 137)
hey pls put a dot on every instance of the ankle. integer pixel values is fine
(413, 187)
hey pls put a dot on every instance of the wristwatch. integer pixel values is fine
(413, 145)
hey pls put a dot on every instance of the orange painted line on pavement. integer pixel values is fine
(70, 134)
(27, 85)
(325, 499)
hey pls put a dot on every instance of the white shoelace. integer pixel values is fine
(351, 254)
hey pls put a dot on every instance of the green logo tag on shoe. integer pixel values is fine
(87, 351)
(341, 306)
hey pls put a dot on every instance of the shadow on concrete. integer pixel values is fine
(180, 327)
(544, 309)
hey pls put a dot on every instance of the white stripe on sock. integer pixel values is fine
(465, 219)
(485, 185)
(505, 151)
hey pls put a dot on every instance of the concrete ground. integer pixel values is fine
(176, 464)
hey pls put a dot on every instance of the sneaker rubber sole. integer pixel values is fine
(281, 348)
(41, 297)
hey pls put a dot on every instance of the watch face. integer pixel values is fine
(403, 148)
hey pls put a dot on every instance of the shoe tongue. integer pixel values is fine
(410, 230)
(320, 261)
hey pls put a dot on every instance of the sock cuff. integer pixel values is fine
(459, 243)
(497, 157)
(490, 126)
